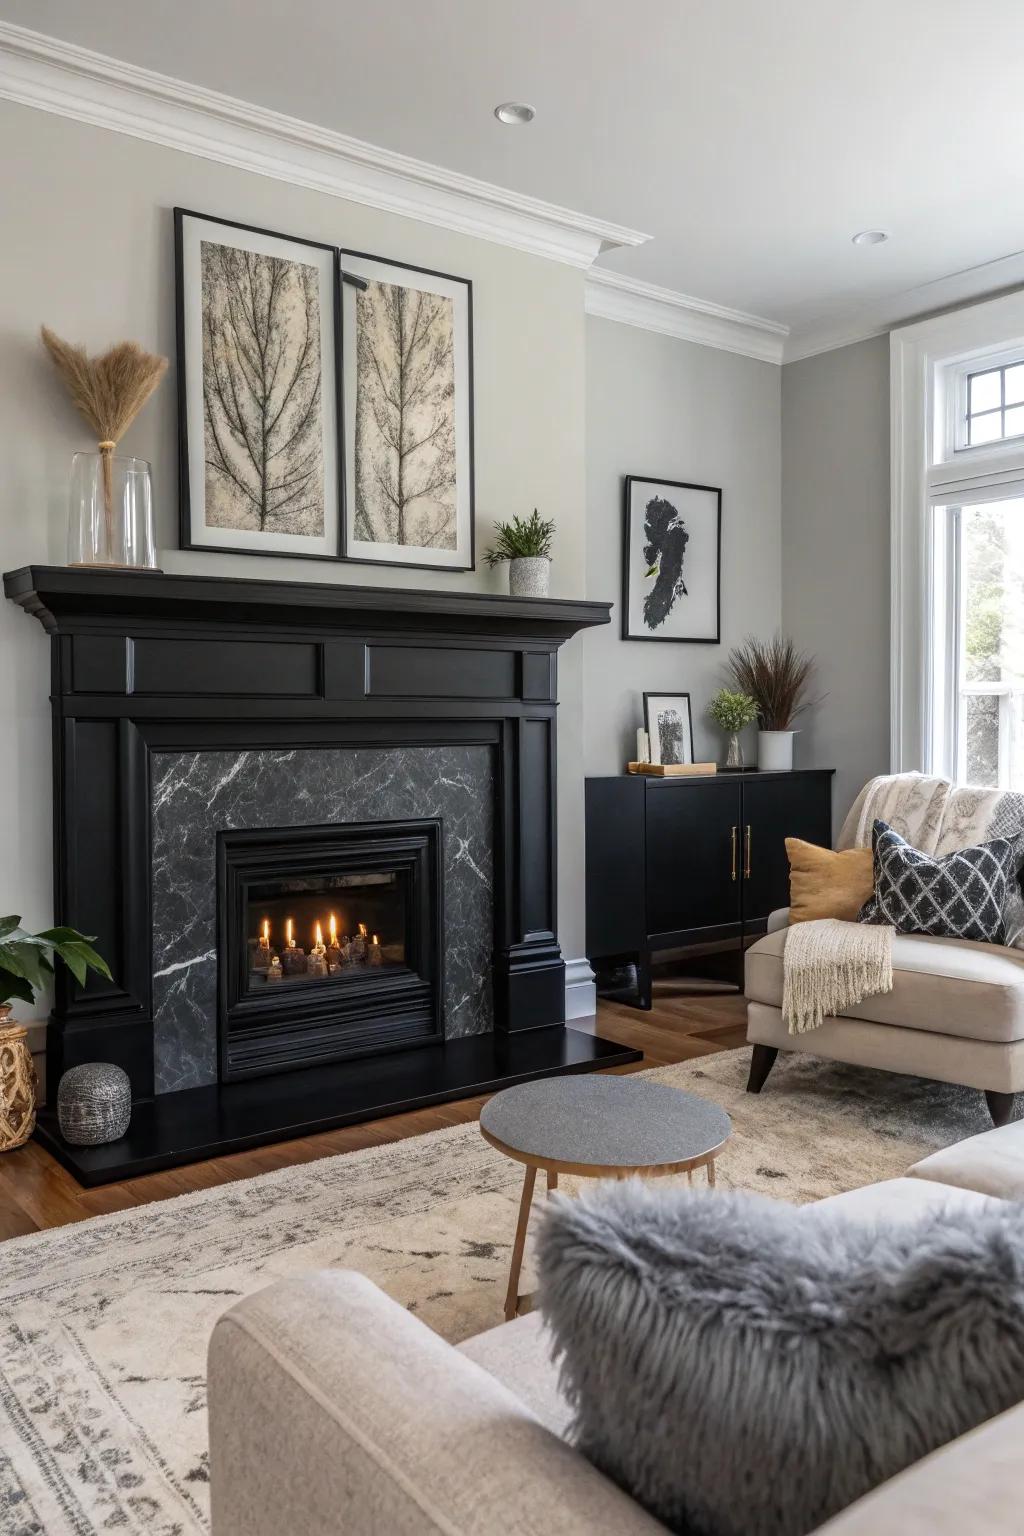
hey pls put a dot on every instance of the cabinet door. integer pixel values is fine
(774, 809)
(690, 883)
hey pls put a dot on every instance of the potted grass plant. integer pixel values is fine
(525, 543)
(778, 678)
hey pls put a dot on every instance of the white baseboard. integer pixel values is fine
(580, 990)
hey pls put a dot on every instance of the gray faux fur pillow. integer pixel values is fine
(746, 1368)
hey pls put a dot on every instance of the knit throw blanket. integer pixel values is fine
(830, 966)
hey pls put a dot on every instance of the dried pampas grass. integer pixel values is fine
(109, 391)
(776, 676)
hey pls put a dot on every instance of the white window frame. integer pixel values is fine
(929, 363)
(954, 438)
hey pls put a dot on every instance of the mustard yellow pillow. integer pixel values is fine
(827, 884)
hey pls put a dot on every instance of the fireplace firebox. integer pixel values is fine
(330, 943)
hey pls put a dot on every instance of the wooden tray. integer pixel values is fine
(673, 770)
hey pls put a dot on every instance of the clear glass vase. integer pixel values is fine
(734, 757)
(110, 517)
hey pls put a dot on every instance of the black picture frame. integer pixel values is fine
(357, 280)
(186, 539)
(628, 630)
(647, 720)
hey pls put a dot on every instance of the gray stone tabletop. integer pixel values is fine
(605, 1122)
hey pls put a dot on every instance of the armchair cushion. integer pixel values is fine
(940, 986)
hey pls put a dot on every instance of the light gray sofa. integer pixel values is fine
(955, 1013)
(334, 1412)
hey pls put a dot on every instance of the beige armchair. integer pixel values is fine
(955, 1013)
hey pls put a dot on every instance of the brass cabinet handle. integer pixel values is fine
(734, 831)
(746, 854)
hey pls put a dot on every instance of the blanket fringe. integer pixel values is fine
(829, 966)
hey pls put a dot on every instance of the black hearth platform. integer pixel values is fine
(177, 1128)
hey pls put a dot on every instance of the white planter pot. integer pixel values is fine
(775, 751)
(529, 578)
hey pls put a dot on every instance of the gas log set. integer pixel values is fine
(338, 955)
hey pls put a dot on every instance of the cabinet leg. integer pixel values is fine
(761, 1062)
(741, 962)
(644, 984)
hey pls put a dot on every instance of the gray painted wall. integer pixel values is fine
(661, 407)
(87, 247)
(835, 553)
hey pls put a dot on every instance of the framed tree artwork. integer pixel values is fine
(672, 557)
(408, 415)
(258, 320)
(668, 721)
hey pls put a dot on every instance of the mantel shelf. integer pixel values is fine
(66, 598)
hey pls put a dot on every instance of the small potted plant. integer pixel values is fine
(526, 544)
(26, 959)
(733, 712)
(777, 677)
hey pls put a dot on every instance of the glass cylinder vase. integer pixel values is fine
(734, 756)
(110, 517)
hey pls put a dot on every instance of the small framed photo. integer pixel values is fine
(258, 317)
(671, 566)
(668, 721)
(408, 414)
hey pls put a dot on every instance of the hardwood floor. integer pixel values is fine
(687, 1020)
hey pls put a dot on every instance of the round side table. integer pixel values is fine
(598, 1128)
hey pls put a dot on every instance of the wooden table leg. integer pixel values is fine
(512, 1295)
(552, 1180)
(711, 1172)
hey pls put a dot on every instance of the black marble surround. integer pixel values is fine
(197, 794)
(181, 703)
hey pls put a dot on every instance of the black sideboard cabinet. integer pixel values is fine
(675, 862)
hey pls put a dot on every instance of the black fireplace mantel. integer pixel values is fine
(64, 598)
(145, 663)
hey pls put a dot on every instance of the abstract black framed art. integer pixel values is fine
(671, 561)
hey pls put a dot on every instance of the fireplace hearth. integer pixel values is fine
(244, 770)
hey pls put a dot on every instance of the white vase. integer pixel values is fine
(529, 577)
(775, 751)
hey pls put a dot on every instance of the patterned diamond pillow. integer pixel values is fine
(960, 896)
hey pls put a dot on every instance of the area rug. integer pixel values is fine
(105, 1323)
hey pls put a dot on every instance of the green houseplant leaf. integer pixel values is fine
(15, 986)
(26, 959)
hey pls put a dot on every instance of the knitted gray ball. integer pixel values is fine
(94, 1104)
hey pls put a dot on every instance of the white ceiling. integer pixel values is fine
(750, 138)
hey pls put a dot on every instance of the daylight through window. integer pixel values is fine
(995, 405)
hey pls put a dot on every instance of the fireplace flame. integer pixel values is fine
(332, 928)
(362, 930)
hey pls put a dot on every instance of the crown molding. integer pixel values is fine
(610, 296)
(817, 341)
(54, 76)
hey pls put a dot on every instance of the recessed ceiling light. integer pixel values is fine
(515, 113)
(871, 237)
